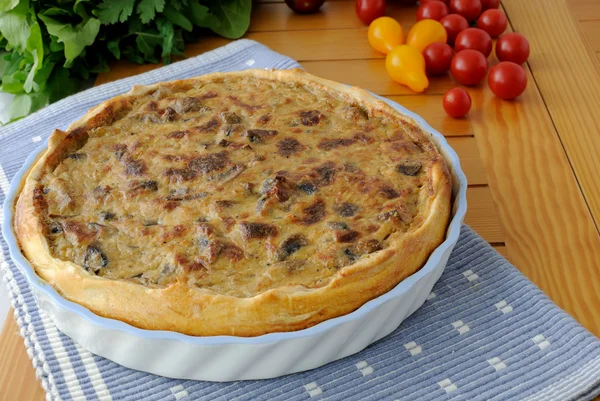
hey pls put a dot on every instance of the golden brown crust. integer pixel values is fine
(197, 311)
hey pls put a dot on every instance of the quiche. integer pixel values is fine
(236, 203)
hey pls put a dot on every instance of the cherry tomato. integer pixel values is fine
(468, 67)
(446, 2)
(304, 6)
(432, 10)
(476, 39)
(457, 102)
(437, 58)
(470, 9)
(512, 47)
(487, 4)
(454, 24)
(385, 33)
(493, 22)
(425, 32)
(368, 10)
(507, 80)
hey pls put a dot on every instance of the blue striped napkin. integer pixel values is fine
(484, 333)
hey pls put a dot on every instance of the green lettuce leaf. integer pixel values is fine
(25, 104)
(36, 47)
(15, 27)
(7, 5)
(75, 38)
(233, 17)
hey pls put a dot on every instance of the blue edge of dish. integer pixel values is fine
(40, 285)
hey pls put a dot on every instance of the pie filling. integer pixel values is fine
(238, 186)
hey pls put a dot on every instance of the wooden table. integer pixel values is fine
(532, 164)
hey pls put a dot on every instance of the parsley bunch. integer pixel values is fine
(49, 47)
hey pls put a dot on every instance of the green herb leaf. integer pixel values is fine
(75, 38)
(113, 11)
(133, 55)
(61, 84)
(233, 17)
(147, 9)
(147, 43)
(167, 32)
(113, 47)
(177, 18)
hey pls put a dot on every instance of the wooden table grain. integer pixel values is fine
(532, 164)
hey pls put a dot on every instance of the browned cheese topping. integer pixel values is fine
(238, 186)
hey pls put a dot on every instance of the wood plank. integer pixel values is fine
(569, 84)
(585, 11)
(430, 108)
(333, 15)
(367, 74)
(591, 31)
(501, 249)
(341, 44)
(548, 228)
(307, 47)
(17, 377)
(482, 215)
(470, 159)
(371, 75)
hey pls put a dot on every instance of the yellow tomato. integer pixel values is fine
(385, 33)
(406, 65)
(426, 32)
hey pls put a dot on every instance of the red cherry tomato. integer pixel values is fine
(304, 6)
(487, 4)
(507, 80)
(476, 39)
(470, 9)
(437, 58)
(368, 10)
(454, 24)
(493, 22)
(468, 67)
(432, 10)
(446, 2)
(457, 102)
(512, 47)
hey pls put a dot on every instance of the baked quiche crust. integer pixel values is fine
(238, 203)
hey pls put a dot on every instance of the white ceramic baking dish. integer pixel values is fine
(226, 358)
